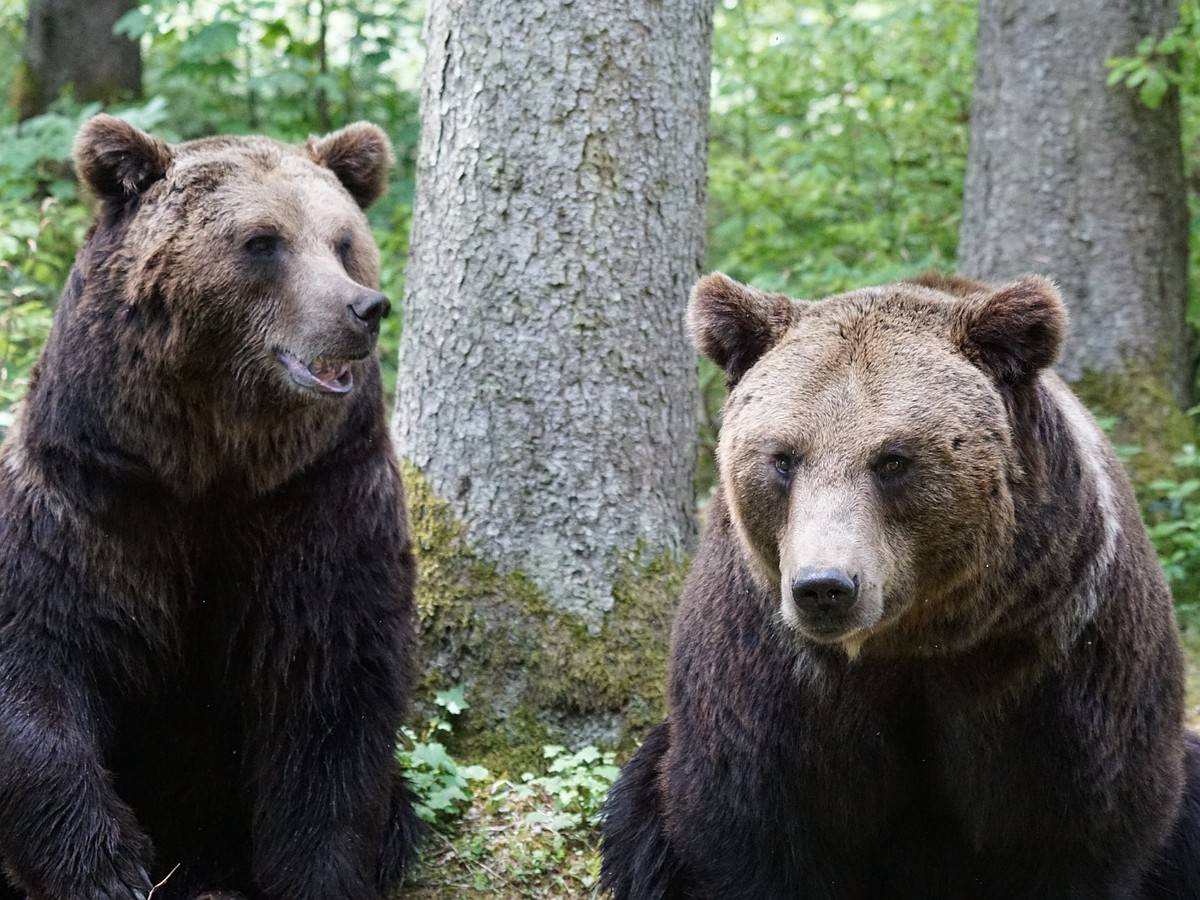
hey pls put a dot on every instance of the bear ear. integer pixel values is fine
(359, 155)
(1015, 331)
(116, 160)
(734, 324)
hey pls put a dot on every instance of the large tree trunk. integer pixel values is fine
(547, 385)
(71, 42)
(1080, 181)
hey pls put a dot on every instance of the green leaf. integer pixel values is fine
(133, 24)
(452, 700)
(431, 755)
(1154, 88)
(211, 42)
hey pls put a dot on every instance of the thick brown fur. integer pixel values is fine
(926, 650)
(206, 613)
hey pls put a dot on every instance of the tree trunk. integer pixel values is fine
(1080, 181)
(546, 408)
(71, 43)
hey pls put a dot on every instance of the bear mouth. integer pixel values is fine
(325, 376)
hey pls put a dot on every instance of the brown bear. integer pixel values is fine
(926, 650)
(206, 612)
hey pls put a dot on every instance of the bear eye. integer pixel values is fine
(892, 465)
(343, 248)
(263, 244)
(785, 463)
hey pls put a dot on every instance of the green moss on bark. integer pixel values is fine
(534, 674)
(25, 93)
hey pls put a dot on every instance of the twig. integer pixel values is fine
(150, 895)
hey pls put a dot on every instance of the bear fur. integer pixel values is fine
(925, 650)
(206, 611)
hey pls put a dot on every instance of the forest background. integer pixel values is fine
(838, 151)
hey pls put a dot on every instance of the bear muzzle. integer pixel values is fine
(343, 342)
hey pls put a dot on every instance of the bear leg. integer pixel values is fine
(403, 834)
(64, 832)
(638, 862)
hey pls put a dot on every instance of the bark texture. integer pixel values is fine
(547, 383)
(71, 43)
(1080, 181)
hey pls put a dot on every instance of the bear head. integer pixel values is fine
(867, 452)
(237, 262)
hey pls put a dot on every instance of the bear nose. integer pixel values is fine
(824, 591)
(370, 307)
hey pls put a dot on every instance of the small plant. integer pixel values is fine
(575, 786)
(1173, 521)
(442, 786)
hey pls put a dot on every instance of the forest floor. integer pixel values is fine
(506, 848)
(497, 853)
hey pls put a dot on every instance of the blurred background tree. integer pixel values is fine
(1083, 181)
(71, 45)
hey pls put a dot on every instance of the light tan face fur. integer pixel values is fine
(864, 443)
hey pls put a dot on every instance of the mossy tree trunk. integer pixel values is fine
(547, 385)
(1081, 181)
(70, 43)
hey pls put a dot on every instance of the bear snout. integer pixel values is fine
(368, 309)
(824, 594)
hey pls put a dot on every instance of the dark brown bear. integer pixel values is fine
(206, 614)
(926, 650)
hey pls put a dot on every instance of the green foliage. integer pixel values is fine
(1160, 63)
(575, 786)
(556, 818)
(233, 66)
(442, 787)
(1147, 72)
(536, 837)
(839, 139)
(35, 155)
(23, 329)
(1172, 512)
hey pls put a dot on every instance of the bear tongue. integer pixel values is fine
(332, 378)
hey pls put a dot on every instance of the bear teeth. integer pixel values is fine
(319, 375)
